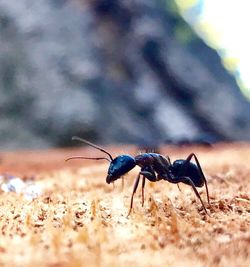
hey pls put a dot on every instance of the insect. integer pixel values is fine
(154, 167)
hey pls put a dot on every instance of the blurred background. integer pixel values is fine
(125, 71)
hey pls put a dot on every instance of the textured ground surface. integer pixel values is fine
(80, 220)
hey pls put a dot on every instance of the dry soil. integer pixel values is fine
(79, 220)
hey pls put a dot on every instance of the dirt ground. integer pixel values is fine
(79, 220)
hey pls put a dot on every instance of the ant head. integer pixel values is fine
(120, 166)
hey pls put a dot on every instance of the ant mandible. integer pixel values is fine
(154, 167)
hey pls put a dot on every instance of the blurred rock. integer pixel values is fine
(28, 189)
(109, 71)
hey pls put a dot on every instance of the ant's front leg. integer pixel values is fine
(142, 190)
(148, 173)
(179, 187)
(134, 190)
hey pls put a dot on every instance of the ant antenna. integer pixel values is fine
(93, 145)
(86, 158)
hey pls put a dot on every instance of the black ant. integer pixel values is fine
(154, 167)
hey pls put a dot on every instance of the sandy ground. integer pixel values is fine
(79, 220)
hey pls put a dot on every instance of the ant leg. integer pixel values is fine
(142, 190)
(190, 182)
(179, 187)
(188, 159)
(202, 175)
(186, 180)
(122, 183)
(150, 175)
(134, 190)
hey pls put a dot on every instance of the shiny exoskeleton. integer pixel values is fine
(154, 167)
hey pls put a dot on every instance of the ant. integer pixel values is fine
(154, 167)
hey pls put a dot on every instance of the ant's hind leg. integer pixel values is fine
(188, 159)
(190, 182)
(201, 172)
(203, 176)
